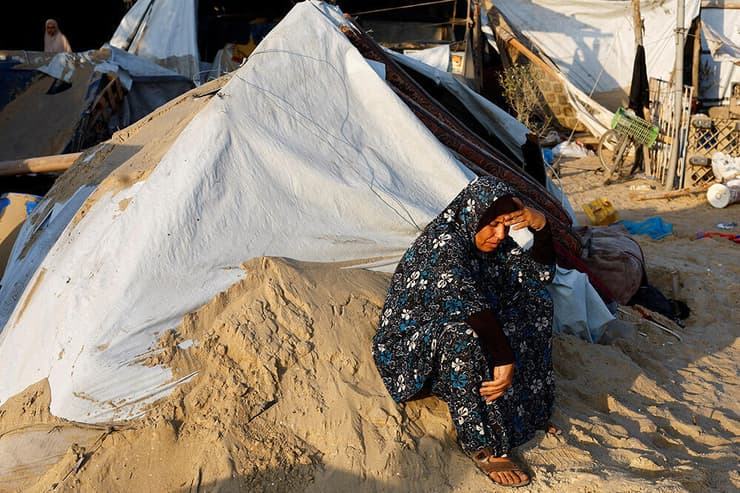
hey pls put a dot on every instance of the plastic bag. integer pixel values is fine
(569, 149)
(725, 167)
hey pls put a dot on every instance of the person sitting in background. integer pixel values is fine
(54, 40)
(467, 318)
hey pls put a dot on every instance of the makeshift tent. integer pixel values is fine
(443, 34)
(52, 104)
(42, 114)
(589, 45)
(198, 39)
(592, 42)
(202, 40)
(304, 152)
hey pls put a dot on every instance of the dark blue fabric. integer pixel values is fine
(13, 81)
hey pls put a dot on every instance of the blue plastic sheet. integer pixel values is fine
(654, 227)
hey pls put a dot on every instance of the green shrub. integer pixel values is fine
(524, 97)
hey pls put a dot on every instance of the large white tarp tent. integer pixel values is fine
(304, 153)
(163, 31)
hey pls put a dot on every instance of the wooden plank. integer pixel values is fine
(531, 56)
(672, 194)
(44, 164)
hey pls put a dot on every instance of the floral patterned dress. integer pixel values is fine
(424, 342)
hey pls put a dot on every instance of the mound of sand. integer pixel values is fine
(285, 396)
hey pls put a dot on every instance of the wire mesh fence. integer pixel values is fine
(662, 114)
(708, 136)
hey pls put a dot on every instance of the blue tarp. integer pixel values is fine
(654, 227)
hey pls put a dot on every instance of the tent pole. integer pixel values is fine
(677, 96)
(637, 22)
(477, 48)
(454, 22)
(467, 21)
(138, 26)
(467, 39)
(696, 59)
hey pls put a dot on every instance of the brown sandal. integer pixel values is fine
(481, 460)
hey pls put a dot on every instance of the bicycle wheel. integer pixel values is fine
(607, 148)
(613, 148)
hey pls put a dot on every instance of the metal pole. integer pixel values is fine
(677, 95)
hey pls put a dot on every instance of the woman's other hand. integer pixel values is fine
(503, 375)
(524, 217)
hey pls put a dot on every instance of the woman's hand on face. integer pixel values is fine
(524, 217)
(503, 375)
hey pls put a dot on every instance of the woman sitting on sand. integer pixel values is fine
(467, 317)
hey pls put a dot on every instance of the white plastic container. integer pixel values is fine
(723, 194)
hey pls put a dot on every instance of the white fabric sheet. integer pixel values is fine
(722, 48)
(164, 31)
(437, 57)
(720, 67)
(592, 41)
(579, 310)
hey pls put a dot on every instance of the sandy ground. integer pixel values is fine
(287, 397)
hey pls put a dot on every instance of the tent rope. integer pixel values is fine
(389, 9)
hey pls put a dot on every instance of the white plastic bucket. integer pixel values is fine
(721, 195)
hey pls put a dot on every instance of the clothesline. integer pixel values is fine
(389, 9)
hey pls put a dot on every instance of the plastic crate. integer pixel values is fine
(627, 122)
